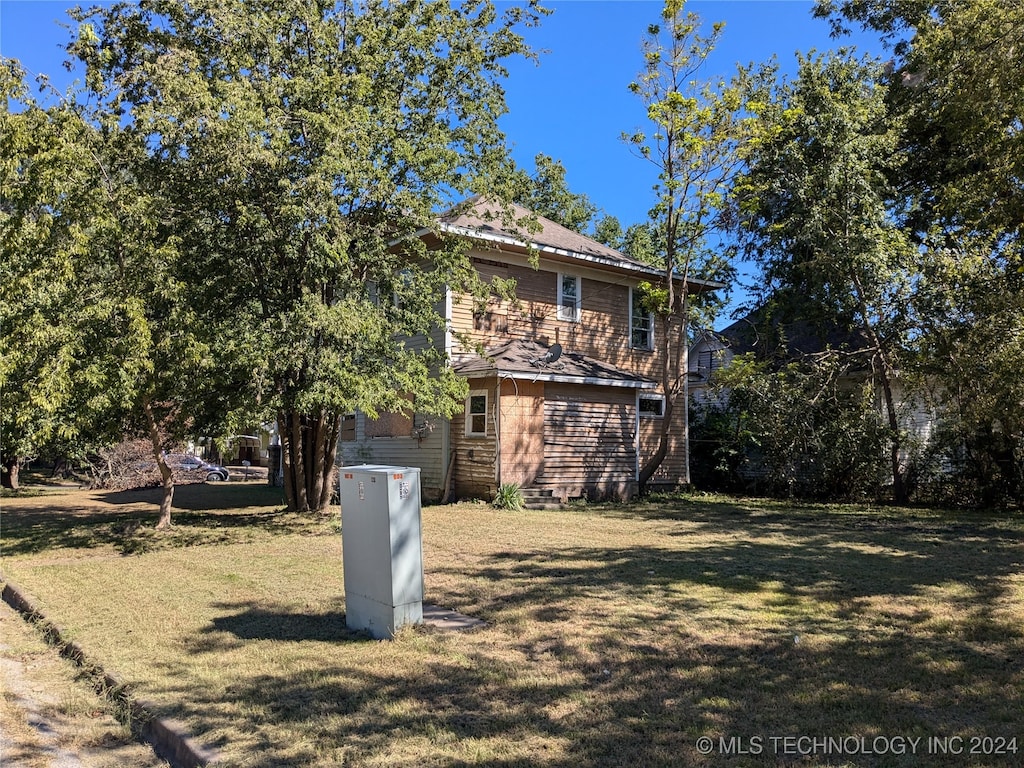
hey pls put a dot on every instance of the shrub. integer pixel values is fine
(509, 496)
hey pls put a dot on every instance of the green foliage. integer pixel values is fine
(509, 496)
(545, 193)
(815, 212)
(954, 97)
(805, 430)
(298, 151)
(696, 131)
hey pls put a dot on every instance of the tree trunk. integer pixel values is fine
(308, 446)
(885, 371)
(900, 491)
(674, 389)
(166, 476)
(12, 465)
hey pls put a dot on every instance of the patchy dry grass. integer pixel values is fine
(617, 635)
(49, 713)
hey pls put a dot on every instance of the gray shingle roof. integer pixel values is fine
(521, 360)
(478, 216)
(486, 216)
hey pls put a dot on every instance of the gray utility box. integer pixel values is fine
(382, 547)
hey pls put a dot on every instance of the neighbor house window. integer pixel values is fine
(404, 281)
(652, 406)
(708, 361)
(348, 427)
(569, 298)
(476, 413)
(641, 322)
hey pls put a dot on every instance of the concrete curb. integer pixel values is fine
(168, 737)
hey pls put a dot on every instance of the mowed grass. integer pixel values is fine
(617, 635)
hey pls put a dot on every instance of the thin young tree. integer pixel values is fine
(697, 129)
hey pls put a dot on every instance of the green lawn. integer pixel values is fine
(617, 635)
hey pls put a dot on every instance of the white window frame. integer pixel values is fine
(572, 310)
(405, 276)
(469, 414)
(654, 398)
(650, 326)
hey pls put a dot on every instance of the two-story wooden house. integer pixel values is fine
(566, 397)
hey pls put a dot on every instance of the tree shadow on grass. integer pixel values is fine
(557, 681)
(626, 700)
(125, 520)
(249, 621)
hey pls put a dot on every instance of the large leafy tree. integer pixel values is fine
(546, 193)
(696, 131)
(96, 335)
(43, 156)
(815, 207)
(956, 89)
(302, 148)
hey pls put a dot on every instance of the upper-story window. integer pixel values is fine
(641, 322)
(708, 361)
(569, 298)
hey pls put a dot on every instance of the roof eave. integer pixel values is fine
(550, 250)
(557, 378)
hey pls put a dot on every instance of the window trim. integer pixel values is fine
(650, 326)
(575, 313)
(654, 398)
(469, 432)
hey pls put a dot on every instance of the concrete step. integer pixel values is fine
(536, 493)
(541, 505)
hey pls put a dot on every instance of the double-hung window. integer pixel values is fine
(641, 322)
(476, 413)
(569, 298)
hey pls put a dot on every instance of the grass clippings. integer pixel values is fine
(616, 635)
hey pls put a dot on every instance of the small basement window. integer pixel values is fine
(476, 413)
(652, 406)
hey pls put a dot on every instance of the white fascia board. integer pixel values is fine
(556, 378)
(574, 255)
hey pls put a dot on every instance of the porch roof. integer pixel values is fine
(522, 360)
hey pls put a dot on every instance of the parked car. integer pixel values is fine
(212, 472)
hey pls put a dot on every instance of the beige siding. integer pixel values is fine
(672, 470)
(602, 333)
(475, 473)
(522, 431)
(589, 440)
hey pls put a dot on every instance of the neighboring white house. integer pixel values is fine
(713, 350)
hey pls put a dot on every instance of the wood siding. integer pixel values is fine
(430, 453)
(522, 432)
(672, 470)
(589, 440)
(475, 473)
(602, 333)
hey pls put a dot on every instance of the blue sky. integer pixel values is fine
(575, 104)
